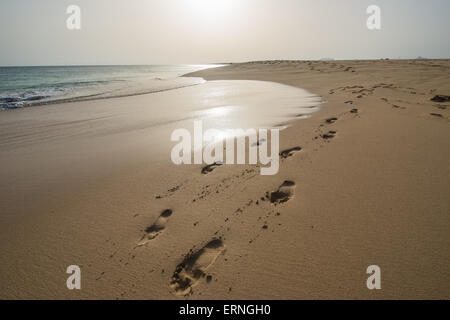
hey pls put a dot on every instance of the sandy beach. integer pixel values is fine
(364, 180)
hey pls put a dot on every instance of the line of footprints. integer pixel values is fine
(196, 263)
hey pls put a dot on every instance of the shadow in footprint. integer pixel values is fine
(156, 228)
(440, 98)
(284, 193)
(195, 266)
(329, 135)
(209, 168)
(289, 152)
(331, 120)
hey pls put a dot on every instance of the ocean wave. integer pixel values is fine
(29, 98)
(19, 99)
(33, 86)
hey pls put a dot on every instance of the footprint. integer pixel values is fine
(174, 189)
(195, 266)
(209, 168)
(284, 193)
(436, 115)
(331, 120)
(289, 152)
(156, 228)
(354, 111)
(329, 135)
(440, 98)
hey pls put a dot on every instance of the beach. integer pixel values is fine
(363, 180)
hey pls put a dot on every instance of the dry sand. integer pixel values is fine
(370, 187)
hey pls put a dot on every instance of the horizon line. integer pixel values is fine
(213, 63)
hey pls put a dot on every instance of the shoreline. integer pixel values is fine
(55, 85)
(374, 192)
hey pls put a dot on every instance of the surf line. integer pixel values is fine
(213, 151)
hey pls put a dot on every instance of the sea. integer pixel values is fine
(33, 86)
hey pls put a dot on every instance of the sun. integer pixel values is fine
(210, 8)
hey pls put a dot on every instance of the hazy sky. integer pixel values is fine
(34, 32)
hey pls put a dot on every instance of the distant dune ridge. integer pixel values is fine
(363, 181)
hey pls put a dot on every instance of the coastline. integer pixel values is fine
(62, 84)
(373, 193)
